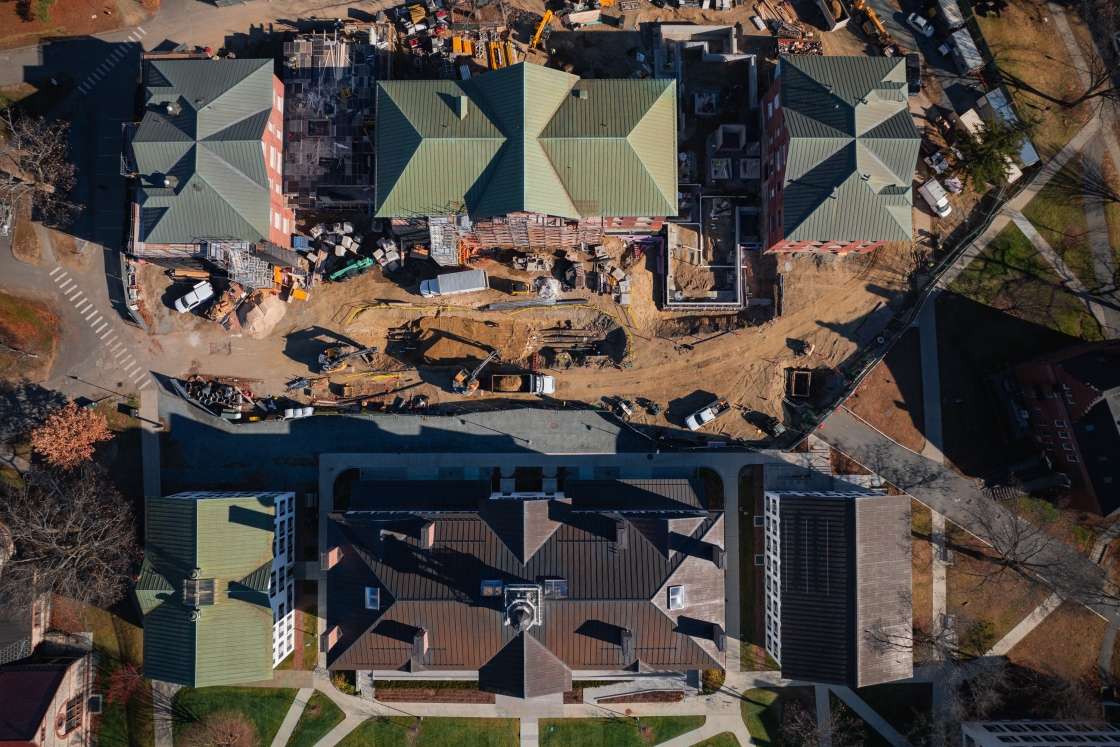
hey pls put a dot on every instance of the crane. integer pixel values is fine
(546, 22)
(466, 383)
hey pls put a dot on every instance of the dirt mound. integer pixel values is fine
(445, 340)
(260, 317)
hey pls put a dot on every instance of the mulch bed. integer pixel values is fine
(661, 696)
(573, 697)
(417, 695)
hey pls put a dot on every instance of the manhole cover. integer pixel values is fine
(553, 426)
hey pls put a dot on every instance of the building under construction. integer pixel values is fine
(329, 90)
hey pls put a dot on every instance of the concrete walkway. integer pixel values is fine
(290, 721)
(1100, 243)
(163, 694)
(824, 715)
(1025, 626)
(872, 717)
(938, 573)
(1066, 277)
(931, 380)
(149, 443)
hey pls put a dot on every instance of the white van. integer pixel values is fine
(936, 197)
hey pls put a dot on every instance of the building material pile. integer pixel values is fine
(261, 314)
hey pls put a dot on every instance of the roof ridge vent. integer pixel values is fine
(581, 93)
(462, 106)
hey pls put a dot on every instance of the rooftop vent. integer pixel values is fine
(719, 557)
(194, 615)
(491, 588)
(549, 486)
(420, 642)
(620, 534)
(461, 106)
(507, 485)
(195, 573)
(330, 558)
(581, 93)
(626, 641)
(428, 535)
(198, 592)
(719, 637)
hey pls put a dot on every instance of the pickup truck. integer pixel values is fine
(522, 383)
(705, 415)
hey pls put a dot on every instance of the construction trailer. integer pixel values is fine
(964, 52)
(949, 17)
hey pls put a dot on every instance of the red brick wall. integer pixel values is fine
(282, 220)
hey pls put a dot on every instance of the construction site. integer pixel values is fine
(623, 310)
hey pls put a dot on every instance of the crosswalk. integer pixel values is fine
(110, 62)
(101, 326)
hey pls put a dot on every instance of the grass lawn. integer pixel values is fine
(320, 716)
(726, 739)
(615, 732)
(1012, 276)
(1038, 70)
(1112, 210)
(902, 706)
(1066, 644)
(435, 732)
(1058, 212)
(761, 709)
(27, 325)
(265, 707)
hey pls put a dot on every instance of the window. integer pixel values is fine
(769, 109)
(759, 559)
(1032, 395)
(758, 521)
(1059, 424)
(1089, 429)
(676, 597)
(1045, 435)
(373, 597)
(491, 588)
(1071, 458)
(1067, 447)
(1063, 434)
(556, 588)
(777, 101)
(71, 718)
(1040, 423)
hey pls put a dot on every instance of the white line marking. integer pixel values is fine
(98, 319)
(146, 382)
(92, 314)
(142, 31)
(81, 305)
(114, 348)
(55, 270)
(126, 360)
(121, 352)
(129, 367)
(96, 76)
(139, 372)
(103, 326)
(63, 286)
(111, 62)
(83, 90)
(60, 277)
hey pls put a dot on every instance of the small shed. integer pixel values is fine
(965, 53)
(949, 16)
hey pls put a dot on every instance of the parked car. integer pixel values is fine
(913, 74)
(919, 24)
(198, 295)
(935, 196)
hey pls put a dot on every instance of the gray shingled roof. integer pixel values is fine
(852, 152)
(208, 147)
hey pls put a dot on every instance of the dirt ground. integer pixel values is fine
(1066, 644)
(922, 571)
(890, 398)
(28, 338)
(23, 22)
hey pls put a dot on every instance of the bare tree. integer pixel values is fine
(71, 534)
(221, 729)
(36, 167)
(69, 435)
(799, 727)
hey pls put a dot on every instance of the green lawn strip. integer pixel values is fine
(265, 707)
(30, 320)
(319, 717)
(613, 732)
(760, 714)
(1058, 212)
(119, 642)
(394, 731)
(726, 739)
(901, 706)
(1012, 276)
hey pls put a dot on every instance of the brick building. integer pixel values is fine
(839, 151)
(46, 699)
(1071, 403)
(837, 570)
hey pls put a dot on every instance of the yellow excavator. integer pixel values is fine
(466, 383)
(546, 22)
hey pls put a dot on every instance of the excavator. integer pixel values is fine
(546, 23)
(878, 33)
(466, 383)
(335, 358)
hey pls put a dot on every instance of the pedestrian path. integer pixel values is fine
(1100, 245)
(931, 380)
(870, 716)
(290, 721)
(1023, 629)
(101, 326)
(938, 553)
(111, 60)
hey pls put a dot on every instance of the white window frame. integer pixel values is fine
(676, 597)
(373, 598)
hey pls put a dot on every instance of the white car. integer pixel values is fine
(919, 24)
(203, 291)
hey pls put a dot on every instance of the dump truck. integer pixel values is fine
(522, 384)
(453, 283)
(705, 415)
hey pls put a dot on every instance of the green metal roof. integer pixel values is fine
(209, 147)
(525, 141)
(228, 538)
(852, 152)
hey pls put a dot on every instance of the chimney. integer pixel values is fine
(719, 557)
(428, 535)
(461, 106)
(332, 637)
(720, 637)
(330, 558)
(420, 642)
(620, 534)
(626, 640)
